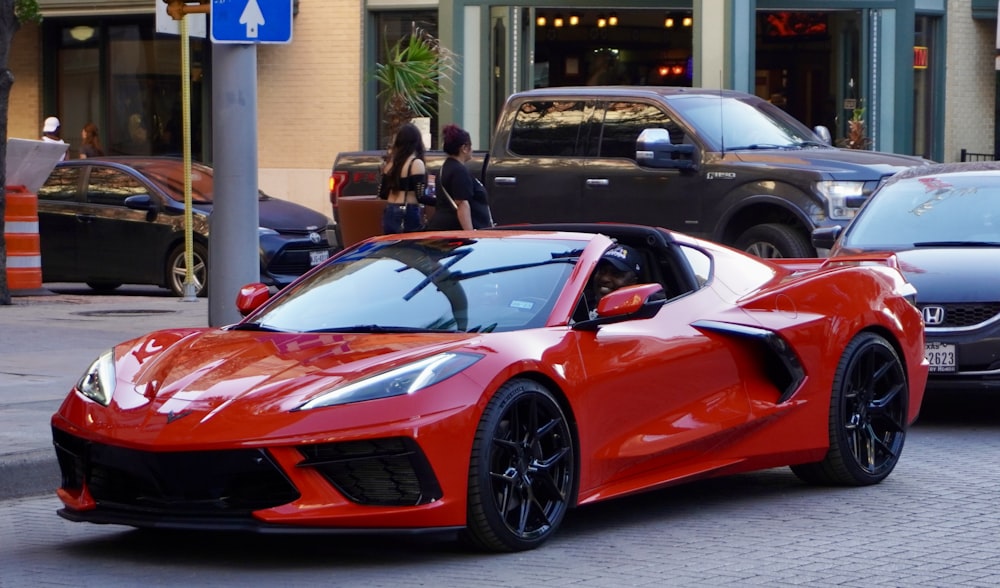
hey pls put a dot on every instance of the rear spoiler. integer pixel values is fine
(883, 258)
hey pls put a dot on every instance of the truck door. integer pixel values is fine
(617, 189)
(536, 168)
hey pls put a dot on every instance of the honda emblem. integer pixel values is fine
(933, 315)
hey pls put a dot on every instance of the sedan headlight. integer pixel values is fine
(843, 198)
(261, 231)
(98, 382)
(406, 379)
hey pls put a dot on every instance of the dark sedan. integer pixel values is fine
(114, 221)
(943, 222)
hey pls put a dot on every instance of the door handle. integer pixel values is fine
(598, 182)
(504, 181)
(85, 218)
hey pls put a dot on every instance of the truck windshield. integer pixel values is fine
(730, 124)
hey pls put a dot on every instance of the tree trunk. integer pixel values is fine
(9, 24)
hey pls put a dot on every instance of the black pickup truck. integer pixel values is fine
(717, 164)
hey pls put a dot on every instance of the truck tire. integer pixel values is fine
(774, 240)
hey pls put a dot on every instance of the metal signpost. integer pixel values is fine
(236, 27)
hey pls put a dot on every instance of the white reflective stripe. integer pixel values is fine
(20, 227)
(23, 261)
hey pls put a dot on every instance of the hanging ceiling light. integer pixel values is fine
(601, 21)
(540, 21)
(81, 33)
(687, 21)
(668, 22)
(613, 19)
(557, 21)
(574, 20)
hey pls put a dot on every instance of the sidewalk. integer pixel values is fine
(46, 342)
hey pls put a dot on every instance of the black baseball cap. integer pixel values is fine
(624, 258)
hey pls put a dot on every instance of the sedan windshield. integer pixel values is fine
(446, 285)
(950, 210)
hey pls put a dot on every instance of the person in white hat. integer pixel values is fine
(50, 132)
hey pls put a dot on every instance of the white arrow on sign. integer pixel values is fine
(252, 18)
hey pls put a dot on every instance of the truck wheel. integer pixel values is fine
(774, 240)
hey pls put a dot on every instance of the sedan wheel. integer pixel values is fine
(177, 270)
(868, 416)
(522, 472)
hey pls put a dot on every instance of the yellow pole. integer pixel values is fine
(190, 292)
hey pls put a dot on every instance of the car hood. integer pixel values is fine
(839, 164)
(217, 380)
(284, 216)
(950, 274)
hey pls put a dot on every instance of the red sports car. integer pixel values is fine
(474, 381)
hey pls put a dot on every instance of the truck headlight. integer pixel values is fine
(843, 198)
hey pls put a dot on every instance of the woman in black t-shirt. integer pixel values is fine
(461, 200)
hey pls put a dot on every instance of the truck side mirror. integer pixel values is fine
(653, 148)
(823, 133)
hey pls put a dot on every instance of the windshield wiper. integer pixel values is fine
(811, 144)
(957, 244)
(756, 146)
(379, 329)
(255, 327)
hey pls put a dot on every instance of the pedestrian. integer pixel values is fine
(461, 200)
(50, 132)
(403, 181)
(90, 145)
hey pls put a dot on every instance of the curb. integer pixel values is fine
(30, 473)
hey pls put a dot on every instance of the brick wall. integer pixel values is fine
(24, 115)
(309, 101)
(970, 82)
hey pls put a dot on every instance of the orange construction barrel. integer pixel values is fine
(24, 252)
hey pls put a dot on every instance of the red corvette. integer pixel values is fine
(461, 381)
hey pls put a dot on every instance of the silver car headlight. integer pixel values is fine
(98, 382)
(406, 379)
(843, 198)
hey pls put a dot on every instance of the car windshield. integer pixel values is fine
(440, 284)
(940, 210)
(731, 124)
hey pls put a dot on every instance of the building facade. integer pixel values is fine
(920, 73)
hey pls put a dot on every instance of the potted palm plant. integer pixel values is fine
(411, 77)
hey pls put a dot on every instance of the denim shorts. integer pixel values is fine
(401, 218)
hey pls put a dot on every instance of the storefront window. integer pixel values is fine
(126, 79)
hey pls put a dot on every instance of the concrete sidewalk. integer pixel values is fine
(46, 342)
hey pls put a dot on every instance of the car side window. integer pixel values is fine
(62, 185)
(111, 186)
(700, 263)
(548, 128)
(623, 121)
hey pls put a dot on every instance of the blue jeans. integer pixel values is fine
(400, 218)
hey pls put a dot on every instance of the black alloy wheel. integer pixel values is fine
(523, 468)
(868, 416)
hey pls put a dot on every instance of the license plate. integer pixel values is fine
(941, 356)
(318, 257)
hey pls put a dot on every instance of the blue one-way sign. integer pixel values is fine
(251, 21)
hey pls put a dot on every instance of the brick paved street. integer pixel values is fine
(933, 522)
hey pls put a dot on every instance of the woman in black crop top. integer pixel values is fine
(403, 178)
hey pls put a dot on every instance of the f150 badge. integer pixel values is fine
(720, 176)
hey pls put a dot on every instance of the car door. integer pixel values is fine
(537, 176)
(617, 188)
(660, 391)
(118, 244)
(59, 202)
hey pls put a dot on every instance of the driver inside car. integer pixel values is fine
(620, 266)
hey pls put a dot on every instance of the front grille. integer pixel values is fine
(293, 261)
(965, 314)
(382, 472)
(217, 483)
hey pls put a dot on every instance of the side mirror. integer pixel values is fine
(639, 301)
(824, 134)
(251, 297)
(653, 148)
(825, 237)
(144, 202)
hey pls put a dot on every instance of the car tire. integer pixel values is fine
(522, 473)
(868, 416)
(104, 286)
(774, 240)
(177, 270)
